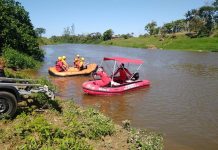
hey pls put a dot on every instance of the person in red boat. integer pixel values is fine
(123, 72)
(105, 79)
(59, 65)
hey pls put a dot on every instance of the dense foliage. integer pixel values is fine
(15, 59)
(16, 30)
(95, 38)
(107, 35)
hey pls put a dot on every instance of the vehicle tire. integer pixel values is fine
(8, 104)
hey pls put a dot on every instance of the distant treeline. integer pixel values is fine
(201, 22)
(93, 38)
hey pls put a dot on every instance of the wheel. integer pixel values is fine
(8, 104)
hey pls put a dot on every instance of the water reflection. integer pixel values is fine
(200, 70)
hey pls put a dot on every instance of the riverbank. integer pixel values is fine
(171, 42)
(41, 123)
(67, 126)
(177, 41)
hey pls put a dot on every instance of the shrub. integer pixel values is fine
(16, 74)
(16, 59)
(146, 140)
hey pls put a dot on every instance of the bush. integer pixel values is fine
(146, 140)
(16, 74)
(15, 59)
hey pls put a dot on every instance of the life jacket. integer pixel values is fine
(64, 63)
(104, 77)
(59, 66)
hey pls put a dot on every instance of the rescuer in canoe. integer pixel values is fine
(82, 64)
(65, 65)
(59, 66)
(123, 74)
(76, 61)
(105, 79)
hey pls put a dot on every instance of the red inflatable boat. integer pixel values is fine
(90, 87)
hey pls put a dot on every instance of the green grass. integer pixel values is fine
(70, 127)
(205, 44)
(180, 42)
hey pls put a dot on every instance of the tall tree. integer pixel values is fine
(16, 29)
(40, 31)
(167, 28)
(150, 27)
(215, 4)
(193, 20)
(67, 31)
(72, 29)
(107, 35)
(207, 13)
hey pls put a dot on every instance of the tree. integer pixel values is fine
(107, 35)
(94, 36)
(17, 31)
(193, 20)
(69, 31)
(207, 13)
(150, 27)
(178, 25)
(126, 36)
(72, 29)
(40, 31)
(167, 28)
(66, 31)
(203, 20)
(215, 3)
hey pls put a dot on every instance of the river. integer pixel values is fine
(181, 103)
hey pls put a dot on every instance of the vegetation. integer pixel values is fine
(40, 31)
(198, 22)
(15, 59)
(107, 35)
(67, 126)
(17, 33)
(173, 42)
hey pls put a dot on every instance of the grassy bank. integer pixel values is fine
(65, 125)
(172, 42)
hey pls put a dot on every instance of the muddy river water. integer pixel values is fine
(181, 103)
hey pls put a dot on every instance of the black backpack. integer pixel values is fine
(135, 76)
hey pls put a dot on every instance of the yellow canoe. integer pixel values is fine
(72, 71)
